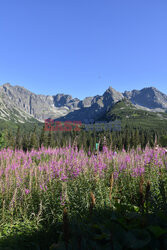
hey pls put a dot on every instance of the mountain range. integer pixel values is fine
(19, 105)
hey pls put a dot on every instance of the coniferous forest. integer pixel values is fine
(127, 138)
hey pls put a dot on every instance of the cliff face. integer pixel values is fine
(150, 98)
(44, 106)
(62, 106)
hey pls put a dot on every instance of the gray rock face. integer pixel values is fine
(65, 107)
(111, 96)
(94, 107)
(44, 106)
(148, 97)
(39, 106)
(61, 100)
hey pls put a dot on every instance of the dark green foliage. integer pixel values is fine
(127, 138)
(103, 229)
(163, 141)
(34, 140)
(3, 142)
(18, 139)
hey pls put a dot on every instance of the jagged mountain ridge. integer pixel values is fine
(150, 98)
(131, 116)
(44, 106)
(65, 107)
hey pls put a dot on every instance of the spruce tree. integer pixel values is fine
(18, 138)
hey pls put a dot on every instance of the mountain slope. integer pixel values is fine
(42, 107)
(37, 106)
(148, 97)
(19, 105)
(130, 115)
(97, 107)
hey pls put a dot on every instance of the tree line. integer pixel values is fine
(127, 138)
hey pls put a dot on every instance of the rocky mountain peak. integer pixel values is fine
(149, 97)
(112, 96)
(65, 106)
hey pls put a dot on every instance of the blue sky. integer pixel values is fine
(81, 47)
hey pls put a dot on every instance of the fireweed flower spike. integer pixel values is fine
(41, 173)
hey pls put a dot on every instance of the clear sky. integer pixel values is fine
(81, 47)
